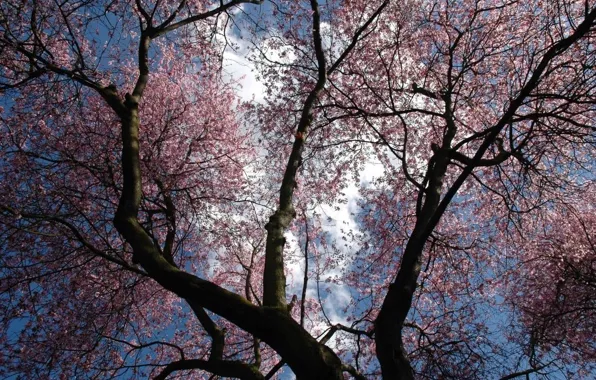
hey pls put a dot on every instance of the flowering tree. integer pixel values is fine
(143, 232)
(559, 260)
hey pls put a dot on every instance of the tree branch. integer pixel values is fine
(223, 368)
(274, 279)
(165, 27)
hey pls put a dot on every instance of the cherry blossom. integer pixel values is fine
(412, 196)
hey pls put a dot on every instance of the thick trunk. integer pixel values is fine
(274, 279)
(390, 321)
(305, 355)
(398, 301)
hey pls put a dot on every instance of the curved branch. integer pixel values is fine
(77, 234)
(166, 27)
(223, 368)
(217, 335)
(522, 373)
(356, 37)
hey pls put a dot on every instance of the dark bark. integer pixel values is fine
(397, 303)
(306, 357)
(223, 368)
(274, 279)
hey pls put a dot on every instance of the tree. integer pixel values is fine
(141, 235)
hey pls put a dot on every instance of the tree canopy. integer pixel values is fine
(404, 189)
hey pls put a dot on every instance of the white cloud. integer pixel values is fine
(239, 70)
